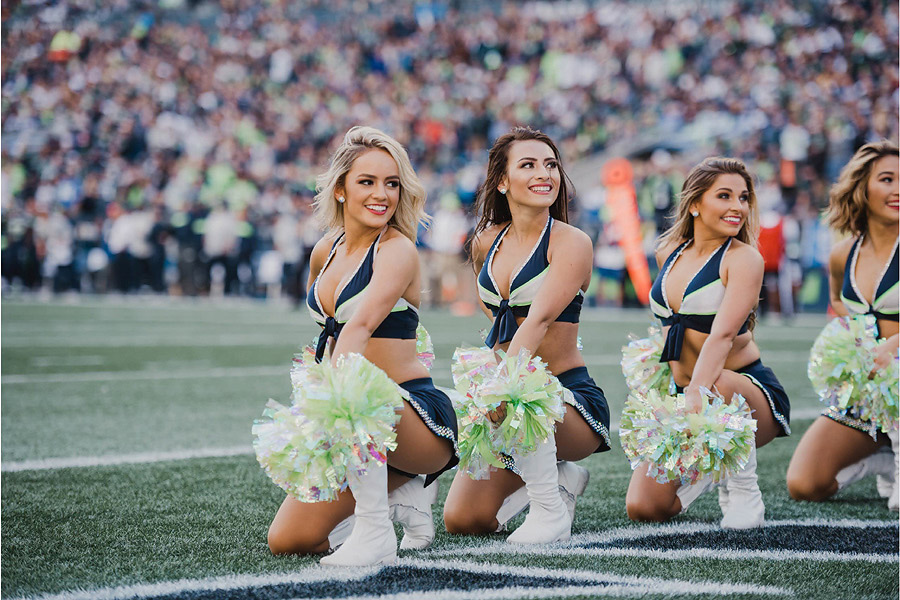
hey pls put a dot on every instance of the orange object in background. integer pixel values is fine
(617, 175)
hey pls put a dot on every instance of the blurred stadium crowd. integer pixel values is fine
(172, 146)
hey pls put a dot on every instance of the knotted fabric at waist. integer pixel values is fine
(677, 324)
(505, 325)
(330, 329)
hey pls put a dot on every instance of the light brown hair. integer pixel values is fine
(847, 202)
(698, 181)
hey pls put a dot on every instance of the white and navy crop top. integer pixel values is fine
(401, 323)
(523, 287)
(702, 298)
(885, 303)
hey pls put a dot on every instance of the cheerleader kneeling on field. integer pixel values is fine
(840, 447)
(364, 289)
(532, 271)
(705, 295)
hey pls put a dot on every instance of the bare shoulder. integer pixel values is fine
(837, 259)
(321, 250)
(395, 243)
(482, 241)
(664, 251)
(569, 238)
(743, 256)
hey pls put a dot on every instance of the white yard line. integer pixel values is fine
(43, 464)
(440, 365)
(573, 582)
(166, 341)
(574, 547)
(707, 553)
(211, 373)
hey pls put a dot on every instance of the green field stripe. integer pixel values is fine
(210, 373)
(80, 462)
(96, 419)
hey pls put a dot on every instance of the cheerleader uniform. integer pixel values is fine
(587, 398)
(702, 299)
(885, 305)
(431, 404)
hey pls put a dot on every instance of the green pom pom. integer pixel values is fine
(533, 400)
(424, 347)
(683, 446)
(840, 363)
(640, 363)
(342, 418)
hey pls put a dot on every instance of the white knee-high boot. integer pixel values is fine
(548, 519)
(893, 499)
(410, 505)
(879, 463)
(744, 508)
(687, 494)
(372, 541)
(341, 532)
(573, 480)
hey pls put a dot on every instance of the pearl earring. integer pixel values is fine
(694, 213)
(341, 199)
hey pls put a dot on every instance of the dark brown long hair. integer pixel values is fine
(491, 206)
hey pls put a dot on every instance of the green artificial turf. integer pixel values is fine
(91, 527)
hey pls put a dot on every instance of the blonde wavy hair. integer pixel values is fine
(848, 199)
(698, 181)
(358, 140)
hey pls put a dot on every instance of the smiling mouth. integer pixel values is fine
(378, 209)
(541, 189)
(732, 220)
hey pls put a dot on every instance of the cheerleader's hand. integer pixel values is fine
(498, 414)
(693, 399)
(884, 354)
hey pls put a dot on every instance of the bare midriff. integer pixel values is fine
(559, 348)
(887, 328)
(744, 351)
(395, 357)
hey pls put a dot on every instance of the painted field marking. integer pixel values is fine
(573, 546)
(67, 360)
(43, 464)
(160, 340)
(573, 582)
(440, 365)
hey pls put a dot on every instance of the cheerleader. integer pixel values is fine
(532, 271)
(364, 291)
(705, 295)
(837, 449)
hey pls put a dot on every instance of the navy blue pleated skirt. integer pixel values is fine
(436, 410)
(765, 380)
(589, 401)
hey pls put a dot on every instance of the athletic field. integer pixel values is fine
(127, 472)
